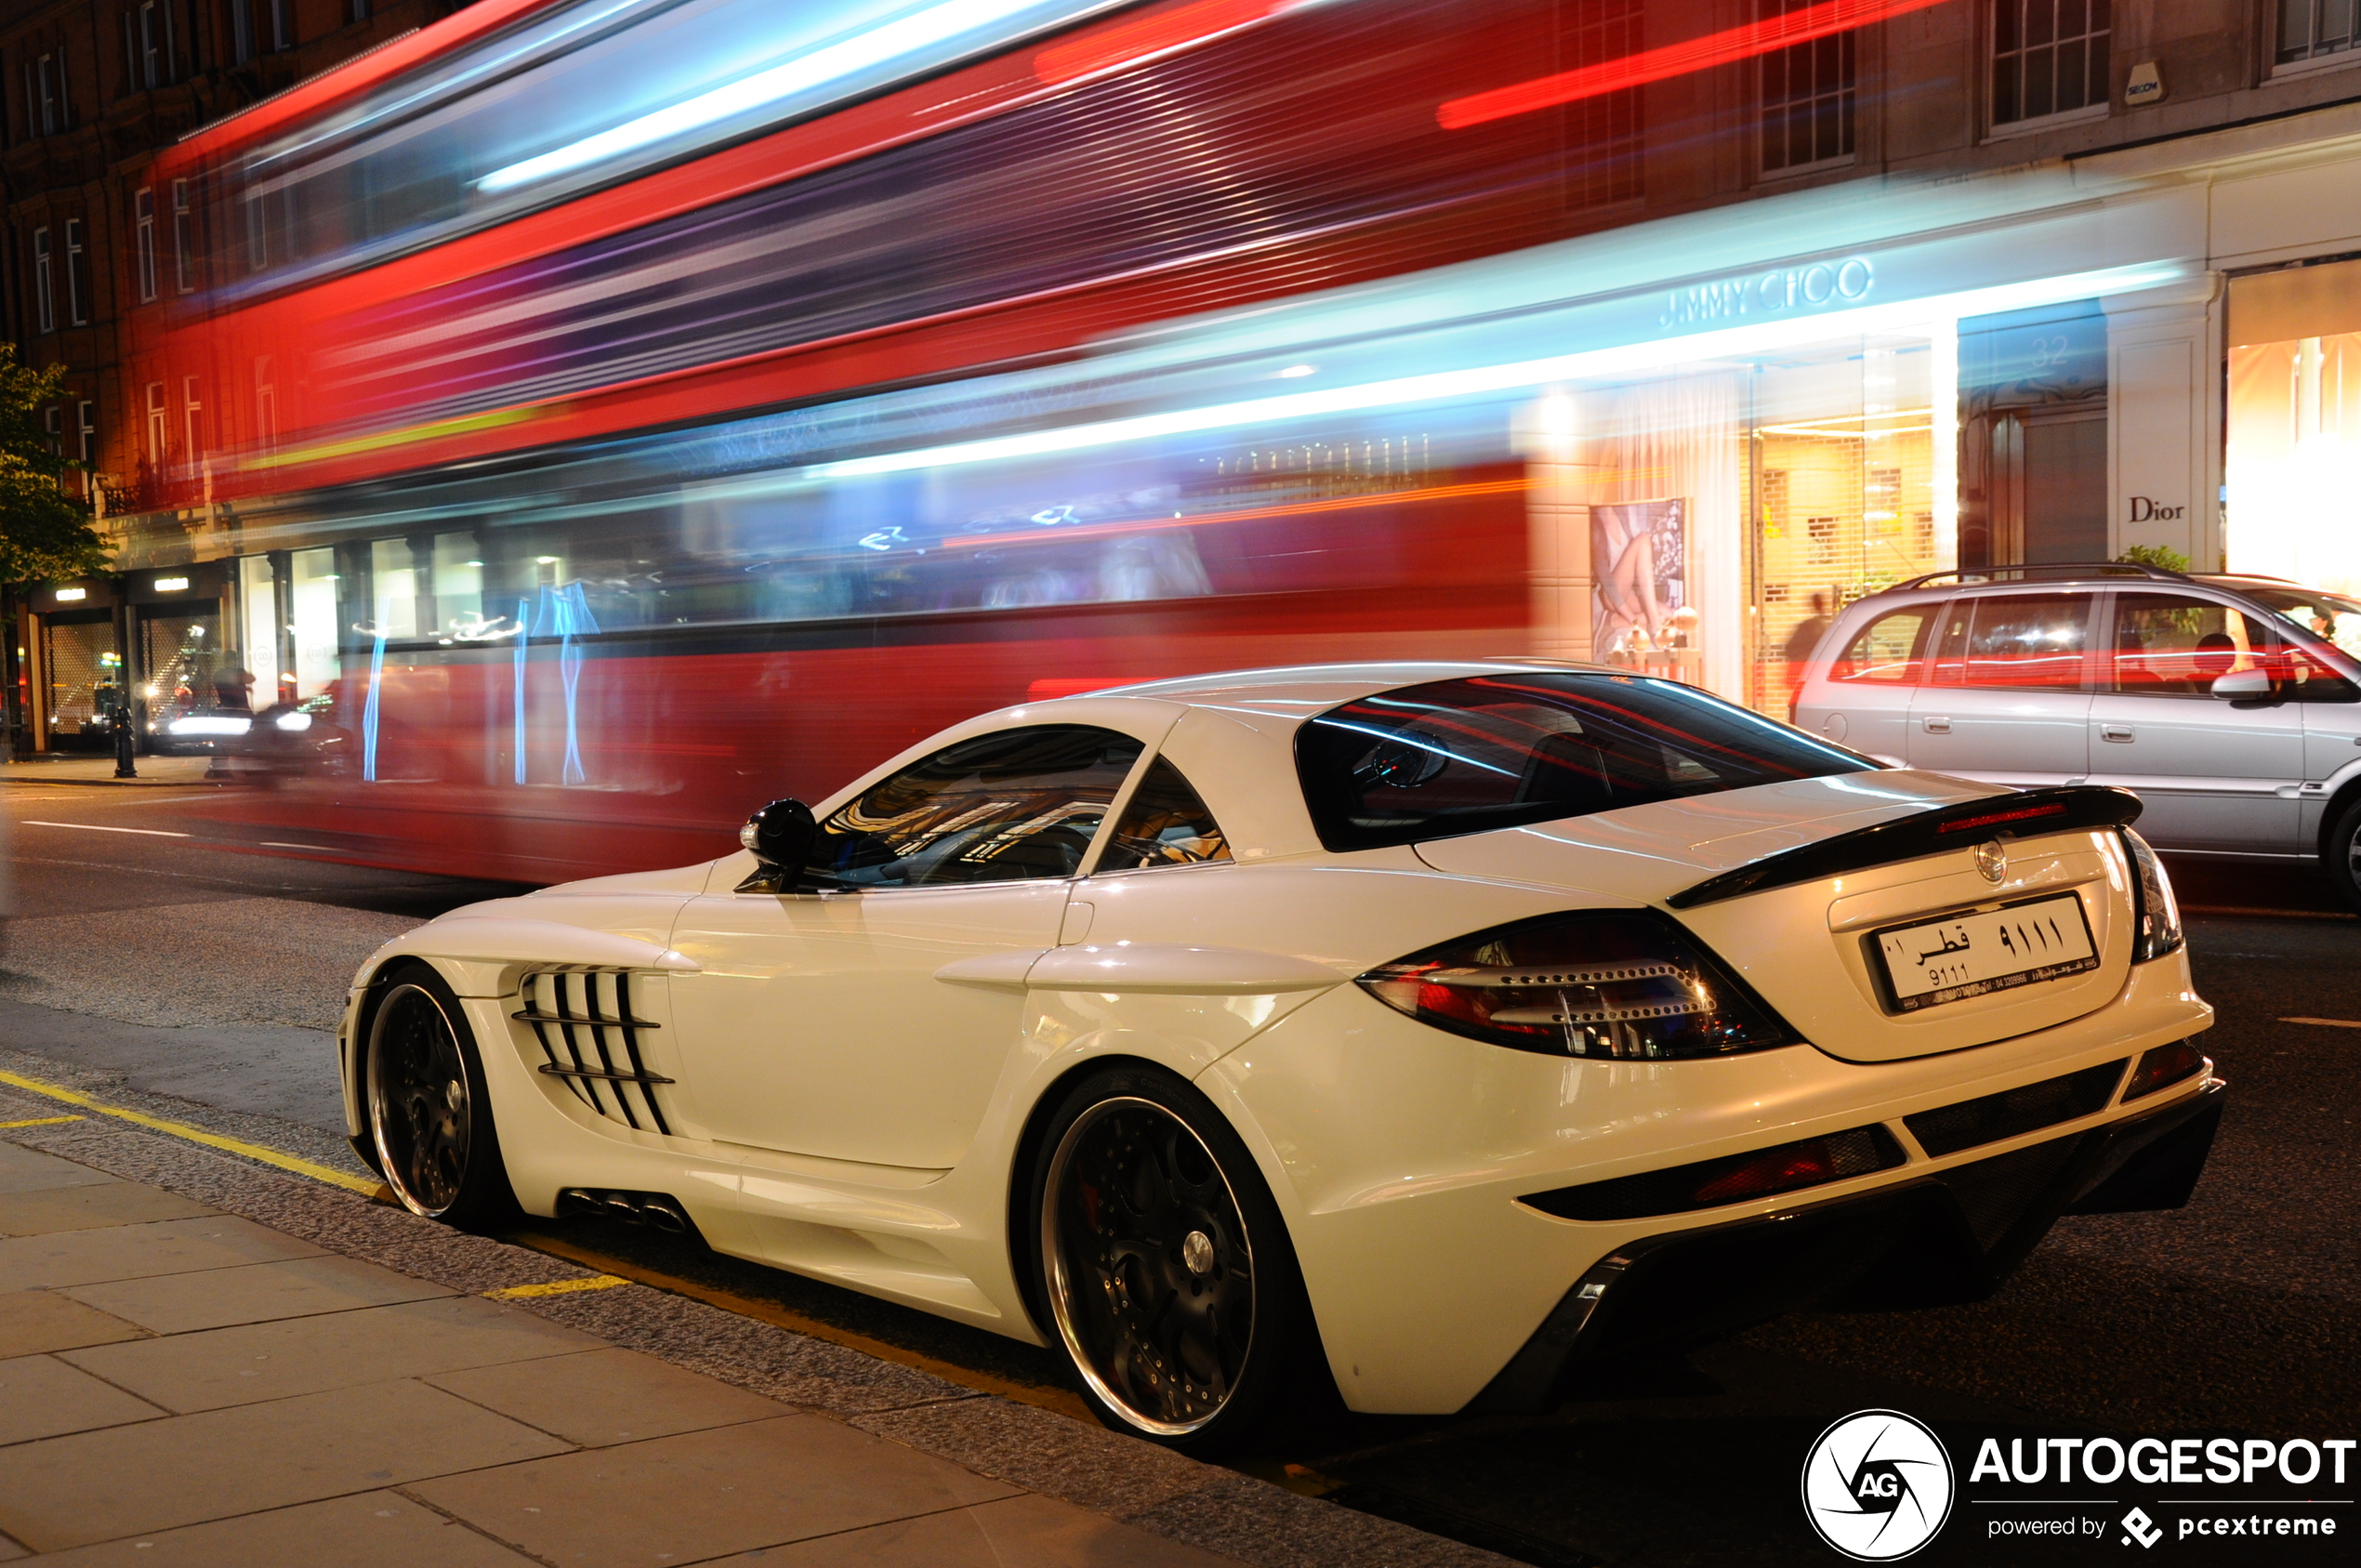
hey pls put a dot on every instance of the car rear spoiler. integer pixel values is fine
(2058, 810)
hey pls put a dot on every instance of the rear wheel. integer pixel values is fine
(429, 1119)
(1163, 1264)
(2342, 856)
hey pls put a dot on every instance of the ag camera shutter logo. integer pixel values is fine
(1878, 1485)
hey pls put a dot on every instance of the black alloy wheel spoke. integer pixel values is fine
(422, 1112)
(1159, 1281)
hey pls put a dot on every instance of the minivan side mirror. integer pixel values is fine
(2242, 684)
(779, 838)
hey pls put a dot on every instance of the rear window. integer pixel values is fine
(1455, 756)
(1887, 649)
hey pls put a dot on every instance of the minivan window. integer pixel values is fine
(1492, 751)
(1887, 650)
(2014, 643)
(2173, 645)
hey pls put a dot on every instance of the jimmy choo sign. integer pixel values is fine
(1813, 287)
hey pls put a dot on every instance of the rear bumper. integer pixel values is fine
(1946, 1237)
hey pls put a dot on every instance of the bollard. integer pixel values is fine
(123, 767)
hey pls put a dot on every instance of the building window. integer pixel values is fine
(150, 34)
(45, 296)
(359, 10)
(1807, 97)
(266, 405)
(77, 275)
(2309, 29)
(184, 238)
(257, 230)
(51, 92)
(85, 418)
(159, 429)
(1601, 133)
(192, 416)
(143, 225)
(53, 422)
(2049, 56)
(281, 23)
(241, 30)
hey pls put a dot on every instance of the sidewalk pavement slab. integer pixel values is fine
(181, 1387)
(395, 1415)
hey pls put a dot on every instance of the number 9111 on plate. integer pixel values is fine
(1962, 955)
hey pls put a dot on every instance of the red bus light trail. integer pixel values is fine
(1672, 59)
(1150, 35)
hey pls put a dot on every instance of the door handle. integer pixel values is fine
(2116, 732)
(1938, 726)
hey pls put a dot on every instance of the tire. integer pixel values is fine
(429, 1119)
(2341, 855)
(1161, 1266)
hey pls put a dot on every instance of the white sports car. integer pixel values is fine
(1441, 1028)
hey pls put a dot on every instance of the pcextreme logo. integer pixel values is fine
(1876, 1485)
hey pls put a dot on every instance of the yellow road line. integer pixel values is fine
(40, 1122)
(295, 1163)
(556, 1287)
(1063, 1401)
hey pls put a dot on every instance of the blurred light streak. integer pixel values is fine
(905, 35)
(1755, 38)
(1151, 35)
(1652, 356)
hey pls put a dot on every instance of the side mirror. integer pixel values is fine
(780, 836)
(2242, 685)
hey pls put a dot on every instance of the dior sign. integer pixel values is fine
(1813, 286)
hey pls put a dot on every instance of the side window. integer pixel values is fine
(2027, 642)
(2170, 645)
(1888, 649)
(1165, 823)
(1007, 807)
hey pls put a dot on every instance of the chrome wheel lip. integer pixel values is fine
(1058, 1285)
(388, 1166)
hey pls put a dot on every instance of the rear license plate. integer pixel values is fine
(1949, 960)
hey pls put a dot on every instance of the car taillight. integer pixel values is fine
(1735, 1179)
(1618, 986)
(2156, 914)
(2164, 1066)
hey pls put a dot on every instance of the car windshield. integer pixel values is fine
(2329, 616)
(1468, 756)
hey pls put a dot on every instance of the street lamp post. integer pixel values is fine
(123, 766)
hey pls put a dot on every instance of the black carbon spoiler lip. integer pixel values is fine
(2054, 810)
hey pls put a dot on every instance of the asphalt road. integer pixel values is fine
(155, 942)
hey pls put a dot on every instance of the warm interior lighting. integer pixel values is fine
(170, 585)
(1674, 59)
(66, 596)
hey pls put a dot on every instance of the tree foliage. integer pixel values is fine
(44, 533)
(2163, 557)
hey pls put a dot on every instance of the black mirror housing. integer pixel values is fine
(779, 838)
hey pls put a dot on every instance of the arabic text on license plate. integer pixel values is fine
(1973, 954)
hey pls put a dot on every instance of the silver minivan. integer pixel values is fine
(2231, 704)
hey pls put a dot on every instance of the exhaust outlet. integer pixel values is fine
(659, 1211)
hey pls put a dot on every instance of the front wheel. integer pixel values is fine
(429, 1119)
(1163, 1264)
(2342, 856)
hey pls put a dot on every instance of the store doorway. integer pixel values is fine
(84, 664)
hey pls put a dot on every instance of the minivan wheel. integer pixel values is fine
(2344, 856)
(429, 1119)
(1163, 1264)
